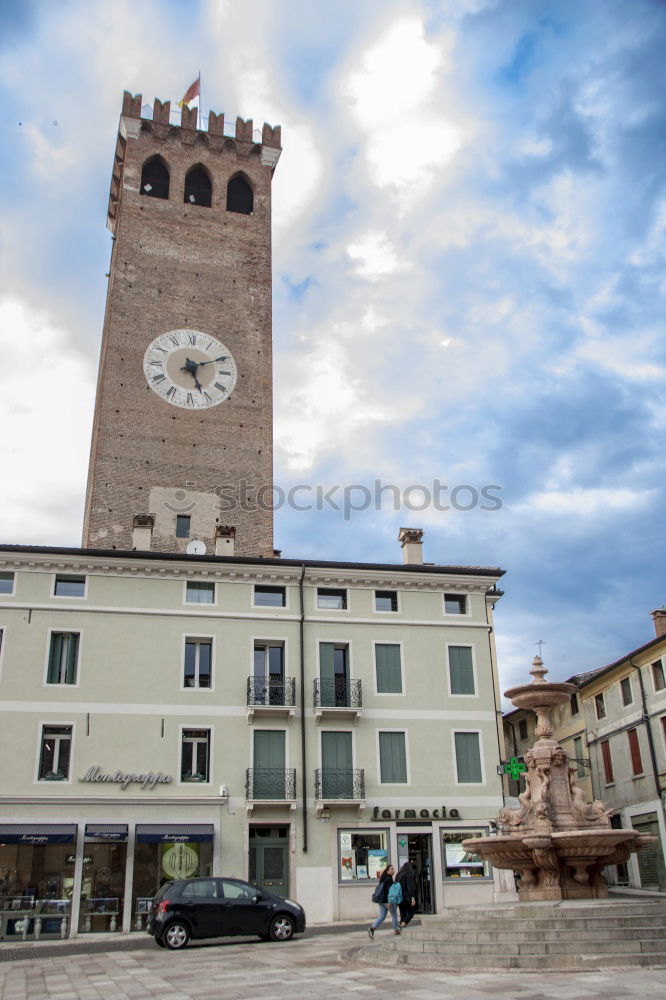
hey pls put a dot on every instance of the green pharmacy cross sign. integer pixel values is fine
(514, 768)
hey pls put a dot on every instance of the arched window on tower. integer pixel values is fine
(155, 179)
(239, 196)
(198, 188)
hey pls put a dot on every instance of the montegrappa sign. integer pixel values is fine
(378, 813)
(148, 779)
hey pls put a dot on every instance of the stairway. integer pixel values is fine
(534, 937)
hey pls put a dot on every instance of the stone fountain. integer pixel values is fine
(556, 840)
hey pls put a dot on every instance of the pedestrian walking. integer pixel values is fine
(407, 881)
(381, 897)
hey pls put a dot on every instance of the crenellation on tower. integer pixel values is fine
(215, 123)
(161, 111)
(244, 130)
(131, 105)
(189, 117)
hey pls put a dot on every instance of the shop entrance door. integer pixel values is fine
(269, 859)
(419, 852)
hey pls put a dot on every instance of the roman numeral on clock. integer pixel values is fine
(156, 364)
(171, 392)
(190, 399)
(218, 385)
(159, 378)
(174, 340)
(192, 338)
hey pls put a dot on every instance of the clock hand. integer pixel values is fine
(222, 357)
(191, 367)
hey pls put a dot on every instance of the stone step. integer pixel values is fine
(571, 935)
(507, 963)
(528, 948)
(444, 924)
(536, 911)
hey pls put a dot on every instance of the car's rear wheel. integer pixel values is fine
(281, 928)
(176, 935)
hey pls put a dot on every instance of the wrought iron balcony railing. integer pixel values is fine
(339, 783)
(276, 691)
(270, 783)
(338, 693)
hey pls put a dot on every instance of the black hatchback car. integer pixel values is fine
(211, 907)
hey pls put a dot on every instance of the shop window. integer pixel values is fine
(102, 885)
(63, 658)
(455, 604)
(608, 762)
(626, 692)
(198, 666)
(239, 196)
(468, 758)
(36, 881)
(172, 855)
(200, 593)
(392, 758)
(386, 600)
(635, 751)
(658, 675)
(195, 755)
(600, 706)
(270, 597)
(361, 856)
(6, 583)
(457, 863)
(183, 525)
(69, 586)
(461, 670)
(331, 600)
(522, 729)
(155, 179)
(388, 668)
(198, 187)
(55, 753)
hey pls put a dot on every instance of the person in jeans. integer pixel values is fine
(386, 881)
(408, 883)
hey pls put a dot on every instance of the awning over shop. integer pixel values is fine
(174, 833)
(37, 833)
(107, 831)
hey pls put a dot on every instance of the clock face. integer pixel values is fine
(190, 369)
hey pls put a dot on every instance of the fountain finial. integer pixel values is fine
(538, 671)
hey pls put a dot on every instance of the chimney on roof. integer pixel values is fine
(659, 619)
(225, 540)
(412, 545)
(142, 531)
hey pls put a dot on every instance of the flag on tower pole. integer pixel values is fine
(192, 91)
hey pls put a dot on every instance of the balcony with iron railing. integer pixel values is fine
(270, 787)
(271, 696)
(339, 786)
(339, 698)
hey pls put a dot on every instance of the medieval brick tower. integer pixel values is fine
(182, 433)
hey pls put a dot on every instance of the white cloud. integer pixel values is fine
(375, 256)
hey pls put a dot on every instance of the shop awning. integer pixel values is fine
(107, 831)
(173, 833)
(37, 833)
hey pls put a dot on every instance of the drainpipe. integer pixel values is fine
(648, 728)
(304, 779)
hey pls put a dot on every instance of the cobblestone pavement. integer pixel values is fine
(299, 970)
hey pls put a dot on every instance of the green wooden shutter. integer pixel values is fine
(269, 755)
(461, 670)
(55, 656)
(337, 763)
(72, 655)
(392, 758)
(389, 676)
(468, 757)
(327, 673)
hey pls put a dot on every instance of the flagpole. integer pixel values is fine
(199, 115)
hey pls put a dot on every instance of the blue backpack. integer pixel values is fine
(395, 893)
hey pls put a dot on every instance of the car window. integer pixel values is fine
(203, 887)
(162, 891)
(238, 890)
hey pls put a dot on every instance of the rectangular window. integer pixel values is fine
(361, 856)
(333, 682)
(455, 604)
(608, 762)
(456, 861)
(600, 706)
(63, 658)
(468, 758)
(55, 753)
(6, 583)
(388, 670)
(578, 751)
(386, 600)
(574, 704)
(658, 676)
(198, 667)
(200, 593)
(461, 670)
(635, 751)
(182, 525)
(195, 755)
(522, 729)
(270, 597)
(69, 586)
(331, 600)
(392, 759)
(269, 681)
(626, 692)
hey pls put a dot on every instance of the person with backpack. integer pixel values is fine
(387, 895)
(407, 882)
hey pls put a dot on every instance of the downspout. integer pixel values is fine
(499, 721)
(304, 780)
(648, 728)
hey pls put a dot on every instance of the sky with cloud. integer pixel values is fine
(469, 286)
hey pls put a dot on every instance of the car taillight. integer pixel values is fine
(161, 907)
